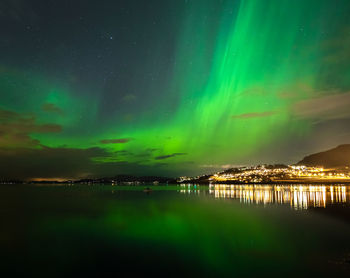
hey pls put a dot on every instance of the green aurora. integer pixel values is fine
(228, 82)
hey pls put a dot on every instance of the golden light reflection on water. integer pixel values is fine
(297, 196)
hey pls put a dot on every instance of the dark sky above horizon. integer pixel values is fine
(169, 87)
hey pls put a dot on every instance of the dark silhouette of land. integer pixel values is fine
(334, 158)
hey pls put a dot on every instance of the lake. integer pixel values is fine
(175, 230)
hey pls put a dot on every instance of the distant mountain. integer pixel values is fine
(337, 157)
(128, 178)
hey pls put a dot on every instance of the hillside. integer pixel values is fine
(337, 157)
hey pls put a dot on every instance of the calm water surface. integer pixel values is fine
(187, 230)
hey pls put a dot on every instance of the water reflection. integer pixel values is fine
(297, 196)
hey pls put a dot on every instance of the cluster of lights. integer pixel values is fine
(260, 174)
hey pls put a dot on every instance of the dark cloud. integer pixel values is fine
(329, 107)
(16, 129)
(123, 152)
(297, 90)
(168, 156)
(116, 141)
(50, 107)
(151, 150)
(71, 163)
(143, 155)
(46, 162)
(254, 115)
(146, 153)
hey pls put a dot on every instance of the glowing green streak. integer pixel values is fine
(258, 56)
(251, 66)
(239, 68)
(27, 93)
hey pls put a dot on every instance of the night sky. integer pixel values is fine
(169, 87)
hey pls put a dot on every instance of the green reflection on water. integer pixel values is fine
(214, 235)
(71, 230)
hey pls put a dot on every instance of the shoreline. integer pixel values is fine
(203, 183)
(327, 182)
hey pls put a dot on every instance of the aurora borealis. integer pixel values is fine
(175, 87)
